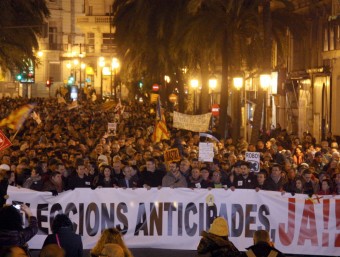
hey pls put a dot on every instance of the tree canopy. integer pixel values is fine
(20, 25)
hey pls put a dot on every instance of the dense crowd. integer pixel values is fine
(72, 147)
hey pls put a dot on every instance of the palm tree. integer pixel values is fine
(229, 25)
(20, 25)
(144, 36)
(276, 22)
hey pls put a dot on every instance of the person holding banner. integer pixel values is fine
(174, 178)
(262, 246)
(216, 242)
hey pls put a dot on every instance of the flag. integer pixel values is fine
(17, 117)
(107, 106)
(161, 131)
(73, 105)
(4, 141)
(61, 100)
(36, 117)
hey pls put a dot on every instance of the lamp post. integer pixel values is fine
(101, 65)
(265, 81)
(212, 86)
(194, 86)
(114, 66)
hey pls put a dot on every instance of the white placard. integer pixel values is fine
(206, 152)
(254, 159)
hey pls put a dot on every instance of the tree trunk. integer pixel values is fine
(204, 97)
(223, 126)
(267, 46)
(181, 94)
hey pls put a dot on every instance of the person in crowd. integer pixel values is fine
(310, 187)
(34, 182)
(112, 250)
(216, 180)
(318, 162)
(110, 236)
(55, 184)
(64, 237)
(298, 156)
(79, 180)
(52, 250)
(275, 181)
(206, 181)
(262, 246)
(151, 176)
(174, 178)
(131, 178)
(194, 180)
(104, 178)
(12, 231)
(185, 168)
(261, 178)
(326, 187)
(246, 180)
(13, 251)
(215, 242)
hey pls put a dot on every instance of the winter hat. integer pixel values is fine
(219, 227)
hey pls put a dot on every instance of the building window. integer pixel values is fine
(53, 38)
(55, 71)
(108, 38)
(90, 42)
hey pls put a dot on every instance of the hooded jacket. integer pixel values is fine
(218, 246)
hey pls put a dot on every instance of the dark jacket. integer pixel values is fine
(262, 249)
(69, 241)
(217, 246)
(19, 237)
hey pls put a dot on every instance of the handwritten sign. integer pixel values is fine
(254, 159)
(206, 152)
(172, 155)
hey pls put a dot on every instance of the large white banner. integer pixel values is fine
(174, 218)
(196, 123)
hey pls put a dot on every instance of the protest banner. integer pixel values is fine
(196, 123)
(174, 218)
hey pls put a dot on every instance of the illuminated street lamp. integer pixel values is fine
(238, 84)
(101, 63)
(194, 86)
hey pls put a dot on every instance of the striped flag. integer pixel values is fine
(161, 131)
(17, 117)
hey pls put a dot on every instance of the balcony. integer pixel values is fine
(93, 20)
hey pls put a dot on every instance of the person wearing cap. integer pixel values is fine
(262, 246)
(216, 242)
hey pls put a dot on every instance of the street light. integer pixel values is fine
(238, 84)
(194, 86)
(265, 82)
(101, 65)
(114, 66)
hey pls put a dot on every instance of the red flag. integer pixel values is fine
(17, 117)
(4, 141)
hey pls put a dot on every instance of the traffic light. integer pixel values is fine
(70, 80)
(140, 84)
(48, 83)
(19, 77)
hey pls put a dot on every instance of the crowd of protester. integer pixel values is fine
(73, 148)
